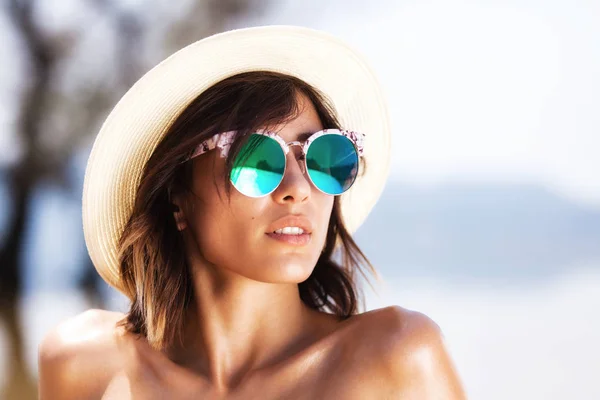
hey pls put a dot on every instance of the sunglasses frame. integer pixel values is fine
(224, 140)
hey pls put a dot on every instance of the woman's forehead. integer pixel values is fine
(301, 126)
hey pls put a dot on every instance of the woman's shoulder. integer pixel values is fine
(392, 331)
(402, 326)
(408, 346)
(90, 331)
(393, 325)
(79, 357)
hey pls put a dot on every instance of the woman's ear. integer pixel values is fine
(179, 215)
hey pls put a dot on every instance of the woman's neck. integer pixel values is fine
(235, 326)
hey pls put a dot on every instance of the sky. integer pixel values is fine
(480, 91)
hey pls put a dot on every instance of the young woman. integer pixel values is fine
(220, 197)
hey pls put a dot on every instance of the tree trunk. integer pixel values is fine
(22, 181)
(20, 385)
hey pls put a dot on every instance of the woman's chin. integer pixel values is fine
(284, 271)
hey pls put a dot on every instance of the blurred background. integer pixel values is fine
(490, 222)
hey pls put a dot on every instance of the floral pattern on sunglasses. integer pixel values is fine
(224, 140)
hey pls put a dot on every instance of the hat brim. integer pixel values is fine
(144, 114)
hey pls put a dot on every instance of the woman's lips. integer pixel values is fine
(297, 220)
(295, 240)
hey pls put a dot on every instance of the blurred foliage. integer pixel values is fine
(78, 58)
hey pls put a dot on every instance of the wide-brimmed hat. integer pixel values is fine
(145, 113)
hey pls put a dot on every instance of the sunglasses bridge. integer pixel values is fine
(301, 157)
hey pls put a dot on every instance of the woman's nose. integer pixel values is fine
(295, 186)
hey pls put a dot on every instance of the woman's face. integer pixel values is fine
(238, 234)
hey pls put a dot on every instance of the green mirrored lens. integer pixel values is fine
(259, 166)
(332, 163)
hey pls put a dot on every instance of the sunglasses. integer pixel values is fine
(330, 159)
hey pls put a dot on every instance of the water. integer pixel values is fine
(535, 341)
(530, 341)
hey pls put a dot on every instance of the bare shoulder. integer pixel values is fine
(79, 357)
(403, 330)
(410, 351)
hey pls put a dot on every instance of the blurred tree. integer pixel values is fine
(60, 111)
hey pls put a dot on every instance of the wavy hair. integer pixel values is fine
(155, 274)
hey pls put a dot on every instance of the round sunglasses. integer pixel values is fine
(330, 159)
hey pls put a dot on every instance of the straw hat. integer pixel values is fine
(144, 114)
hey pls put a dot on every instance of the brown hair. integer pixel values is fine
(153, 268)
